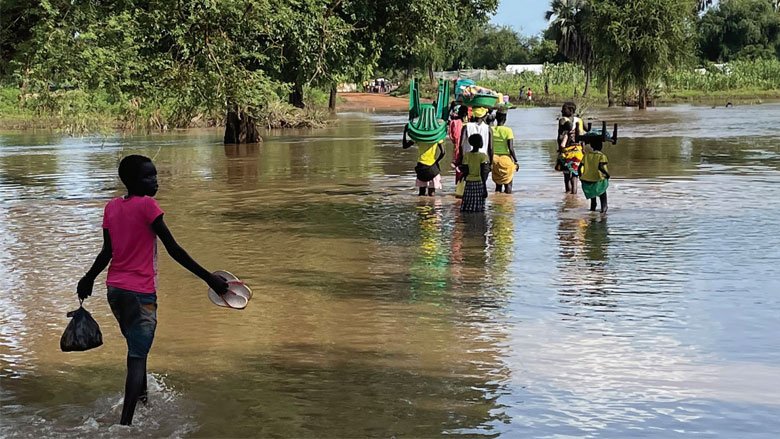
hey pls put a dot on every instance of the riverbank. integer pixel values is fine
(372, 102)
(78, 112)
(283, 116)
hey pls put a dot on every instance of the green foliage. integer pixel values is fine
(740, 29)
(498, 46)
(562, 80)
(639, 41)
(568, 19)
(429, 33)
(169, 63)
(737, 75)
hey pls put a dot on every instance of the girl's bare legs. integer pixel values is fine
(499, 187)
(508, 188)
(573, 182)
(422, 192)
(567, 181)
(603, 198)
(134, 388)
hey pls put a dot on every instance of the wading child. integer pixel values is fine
(475, 166)
(427, 169)
(131, 226)
(594, 175)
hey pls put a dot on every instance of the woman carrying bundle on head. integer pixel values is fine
(504, 158)
(569, 149)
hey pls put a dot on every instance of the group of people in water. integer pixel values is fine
(483, 145)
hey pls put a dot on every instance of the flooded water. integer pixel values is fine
(378, 314)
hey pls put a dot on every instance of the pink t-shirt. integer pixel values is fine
(133, 243)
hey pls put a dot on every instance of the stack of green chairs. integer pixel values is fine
(427, 124)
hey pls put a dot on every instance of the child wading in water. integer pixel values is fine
(131, 226)
(475, 166)
(594, 175)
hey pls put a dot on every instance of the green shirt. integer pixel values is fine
(501, 137)
(473, 160)
(590, 166)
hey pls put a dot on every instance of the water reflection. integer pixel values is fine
(428, 270)
(242, 163)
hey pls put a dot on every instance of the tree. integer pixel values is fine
(426, 34)
(568, 19)
(497, 46)
(739, 29)
(173, 60)
(640, 40)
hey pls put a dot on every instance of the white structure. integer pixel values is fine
(520, 68)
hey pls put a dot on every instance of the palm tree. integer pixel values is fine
(567, 25)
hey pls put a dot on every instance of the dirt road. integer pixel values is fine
(372, 102)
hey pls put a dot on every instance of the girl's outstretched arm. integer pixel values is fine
(179, 255)
(84, 288)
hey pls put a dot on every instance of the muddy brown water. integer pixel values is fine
(378, 314)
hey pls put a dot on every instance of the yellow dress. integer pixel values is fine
(503, 165)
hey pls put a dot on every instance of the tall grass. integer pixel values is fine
(737, 75)
(567, 80)
(563, 79)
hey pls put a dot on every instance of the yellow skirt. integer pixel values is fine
(503, 169)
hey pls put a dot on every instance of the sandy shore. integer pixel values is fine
(371, 102)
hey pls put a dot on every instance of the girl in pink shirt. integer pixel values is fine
(131, 226)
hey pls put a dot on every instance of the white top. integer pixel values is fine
(483, 129)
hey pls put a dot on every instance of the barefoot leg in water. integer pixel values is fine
(136, 371)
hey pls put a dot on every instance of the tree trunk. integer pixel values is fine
(296, 96)
(546, 86)
(587, 81)
(430, 73)
(642, 98)
(240, 128)
(332, 99)
(610, 92)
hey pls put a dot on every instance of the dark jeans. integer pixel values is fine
(137, 317)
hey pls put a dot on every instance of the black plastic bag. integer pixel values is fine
(82, 333)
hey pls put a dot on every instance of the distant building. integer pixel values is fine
(520, 68)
